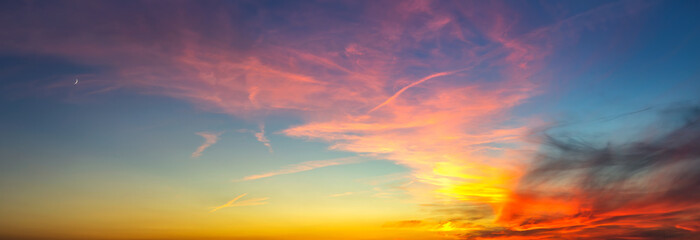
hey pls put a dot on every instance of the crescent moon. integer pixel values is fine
(76, 81)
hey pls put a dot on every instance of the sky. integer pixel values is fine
(402, 120)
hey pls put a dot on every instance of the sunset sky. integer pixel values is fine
(368, 120)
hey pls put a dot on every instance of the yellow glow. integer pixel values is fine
(471, 182)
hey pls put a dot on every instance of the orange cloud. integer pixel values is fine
(446, 140)
(235, 203)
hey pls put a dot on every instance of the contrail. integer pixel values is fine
(304, 166)
(229, 203)
(440, 74)
(210, 139)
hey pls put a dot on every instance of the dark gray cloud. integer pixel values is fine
(648, 188)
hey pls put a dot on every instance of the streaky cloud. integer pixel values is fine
(260, 136)
(209, 139)
(342, 194)
(248, 202)
(431, 76)
(304, 166)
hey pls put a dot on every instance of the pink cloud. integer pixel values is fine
(209, 139)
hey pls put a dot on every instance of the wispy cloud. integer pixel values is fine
(434, 75)
(209, 139)
(341, 194)
(248, 202)
(259, 136)
(304, 166)
(262, 138)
